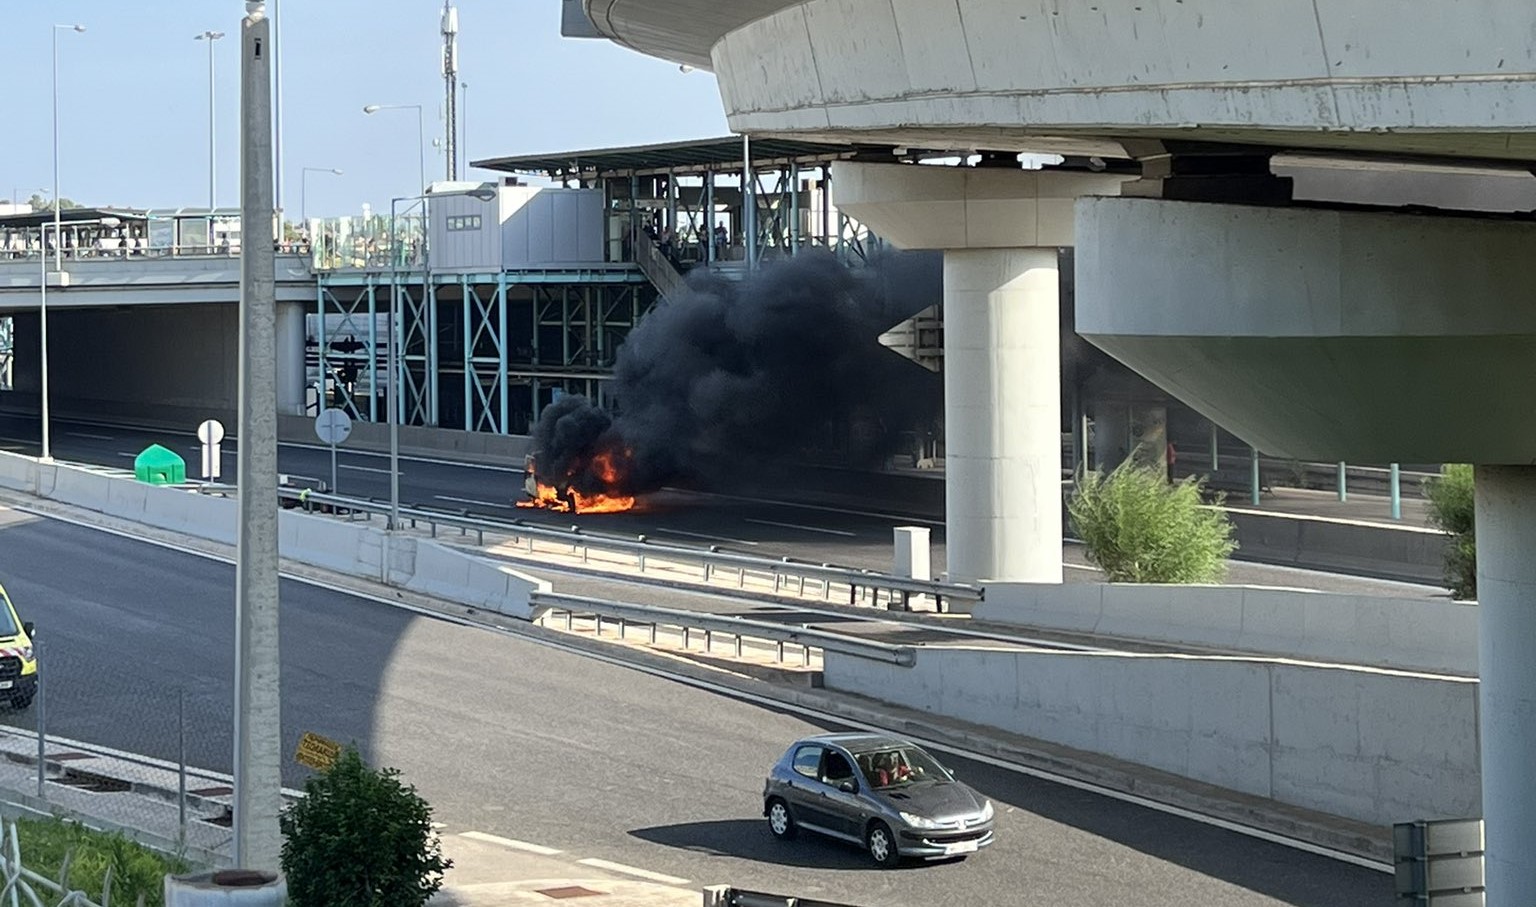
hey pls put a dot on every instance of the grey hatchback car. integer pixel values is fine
(880, 793)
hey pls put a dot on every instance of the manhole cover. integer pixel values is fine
(571, 891)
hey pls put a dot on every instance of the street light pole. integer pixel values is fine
(258, 727)
(304, 189)
(58, 242)
(210, 37)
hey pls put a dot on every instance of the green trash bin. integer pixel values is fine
(159, 466)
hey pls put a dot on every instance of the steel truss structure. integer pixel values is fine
(478, 352)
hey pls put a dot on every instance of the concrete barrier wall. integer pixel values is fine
(1375, 746)
(1436, 635)
(356, 549)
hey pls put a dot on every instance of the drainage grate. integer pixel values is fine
(572, 891)
(92, 783)
(225, 819)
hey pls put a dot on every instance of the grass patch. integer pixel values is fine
(136, 869)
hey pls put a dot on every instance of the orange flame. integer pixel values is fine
(603, 464)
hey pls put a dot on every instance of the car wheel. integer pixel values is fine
(882, 845)
(780, 822)
(21, 703)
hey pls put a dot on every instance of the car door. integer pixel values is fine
(844, 809)
(804, 789)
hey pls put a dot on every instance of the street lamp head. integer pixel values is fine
(75, 28)
(208, 36)
(337, 172)
(371, 108)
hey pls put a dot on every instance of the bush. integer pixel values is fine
(360, 838)
(136, 870)
(1451, 508)
(1139, 528)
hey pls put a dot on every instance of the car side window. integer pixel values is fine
(808, 761)
(835, 768)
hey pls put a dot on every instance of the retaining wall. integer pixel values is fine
(1418, 634)
(1366, 744)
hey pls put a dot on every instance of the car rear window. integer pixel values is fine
(808, 760)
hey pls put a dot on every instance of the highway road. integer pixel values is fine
(747, 525)
(513, 738)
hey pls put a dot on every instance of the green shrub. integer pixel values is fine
(1451, 508)
(360, 838)
(136, 870)
(1139, 528)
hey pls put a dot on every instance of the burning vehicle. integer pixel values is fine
(726, 376)
(562, 495)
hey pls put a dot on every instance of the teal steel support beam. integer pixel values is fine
(1343, 483)
(373, 352)
(469, 356)
(794, 207)
(501, 350)
(1253, 478)
(322, 340)
(1397, 492)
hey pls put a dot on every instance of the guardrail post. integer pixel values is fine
(653, 634)
(1397, 493)
(707, 570)
(687, 640)
(622, 625)
(1253, 477)
(741, 577)
(709, 640)
(737, 638)
(568, 619)
(599, 625)
(805, 655)
(181, 766)
(778, 651)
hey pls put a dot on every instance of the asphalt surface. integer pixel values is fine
(746, 525)
(517, 739)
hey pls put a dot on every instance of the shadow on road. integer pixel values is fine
(749, 839)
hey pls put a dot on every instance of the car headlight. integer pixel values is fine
(919, 821)
(986, 811)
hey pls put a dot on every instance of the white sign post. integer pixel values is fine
(211, 433)
(333, 426)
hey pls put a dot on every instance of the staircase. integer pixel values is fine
(657, 269)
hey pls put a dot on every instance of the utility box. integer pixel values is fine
(158, 465)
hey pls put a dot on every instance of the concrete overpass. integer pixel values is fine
(1206, 274)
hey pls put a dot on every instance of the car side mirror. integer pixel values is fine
(848, 787)
(27, 627)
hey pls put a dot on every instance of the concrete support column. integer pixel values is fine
(290, 358)
(1002, 411)
(1506, 594)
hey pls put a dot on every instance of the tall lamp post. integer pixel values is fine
(57, 240)
(210, 37)
(304, 188)
(421, 137)
(484, 194)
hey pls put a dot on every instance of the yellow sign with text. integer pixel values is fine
(317, 752)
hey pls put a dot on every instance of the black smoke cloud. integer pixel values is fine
(729, 374)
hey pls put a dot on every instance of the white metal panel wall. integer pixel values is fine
(551, 226)
(454, 250)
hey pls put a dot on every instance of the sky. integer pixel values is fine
(133, 97)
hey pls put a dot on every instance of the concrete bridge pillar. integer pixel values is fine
(1001, 229)
(291, 375)
(1506, 594)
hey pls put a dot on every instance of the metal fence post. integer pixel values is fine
(42, 720)
(181, 766)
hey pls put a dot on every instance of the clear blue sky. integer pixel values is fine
(133, 95)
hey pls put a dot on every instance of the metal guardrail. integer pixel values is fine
(737, 628)
(897, 592)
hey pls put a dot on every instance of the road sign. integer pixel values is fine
(317, 752)
(333, 426)
(211, 433)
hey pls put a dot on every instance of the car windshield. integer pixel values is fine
(898, 766)
(8, 626)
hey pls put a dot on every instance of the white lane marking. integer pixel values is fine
(633, 871)
(128, 455)
(904, 520)
(701, 535)
(801, 528)
(767, 702)
(509, 843)
(365, 468)
(83, 434)
(449, 497)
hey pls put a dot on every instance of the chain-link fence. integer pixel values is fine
(145, 750)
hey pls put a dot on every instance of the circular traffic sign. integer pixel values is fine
(211, 432)
(333, 425)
